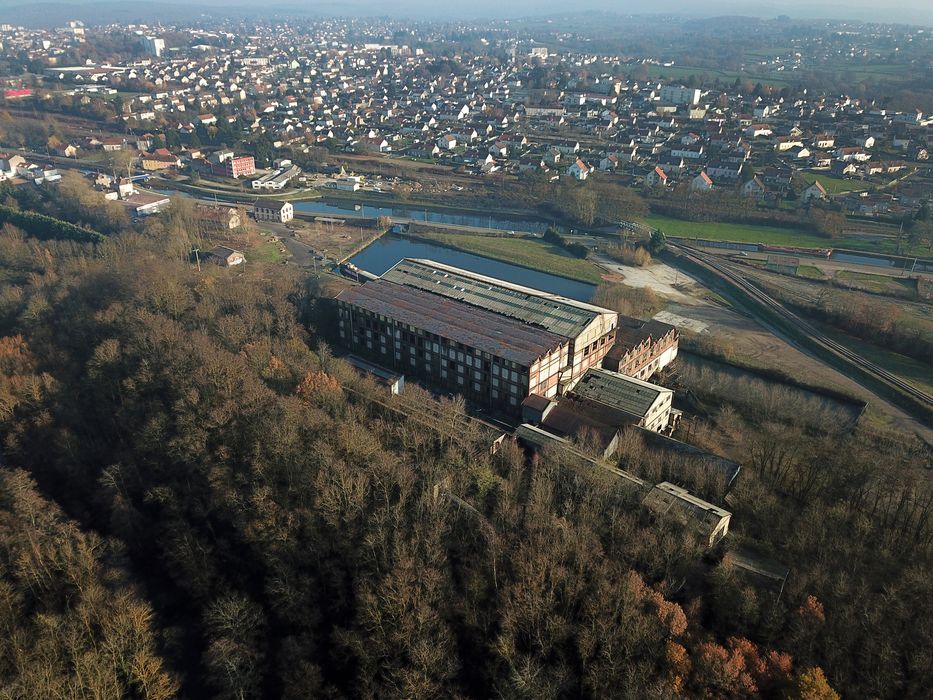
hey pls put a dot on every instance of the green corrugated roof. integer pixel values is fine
(613, 389)
(554, 313)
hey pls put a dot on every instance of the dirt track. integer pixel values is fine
(748, 341)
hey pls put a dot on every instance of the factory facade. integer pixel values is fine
(494, 342)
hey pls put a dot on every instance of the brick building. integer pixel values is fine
(227, 164)
(642, 347)
(490, 359)
(590, 330)
(494, 342)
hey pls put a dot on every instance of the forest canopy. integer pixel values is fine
(199, 499)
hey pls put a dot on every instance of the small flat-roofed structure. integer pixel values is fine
(599, 425)
(536, 407)
(537, 439)
(761, 571)
(589, 328)
(783, 264)
(144, 204)
(392, 380)
(712, 522)
(648, 405)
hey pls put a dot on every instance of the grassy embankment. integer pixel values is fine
(880, 284)
(740, 233)
(918, 373)
(810, 271)
(771, 235)
(528, 252)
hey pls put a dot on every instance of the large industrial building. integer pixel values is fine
(589, 330)
(492, 341)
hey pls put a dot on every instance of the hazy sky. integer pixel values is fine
(909, 11)
(902, 11)
(905, 11)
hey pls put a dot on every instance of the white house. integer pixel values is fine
(702, 183)
(755, 188)
(580, 169)
(814, 191)
(756, 130)
(279, 212)
(447, 142)
(656, 177)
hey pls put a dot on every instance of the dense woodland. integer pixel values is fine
(198, 499)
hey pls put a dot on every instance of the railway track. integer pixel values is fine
(813, 334)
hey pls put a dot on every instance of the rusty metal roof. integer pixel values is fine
(454, 320)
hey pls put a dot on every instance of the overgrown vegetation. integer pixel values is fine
(42, 226)
(632, 255)
(577, 250)
(297, 532)
(873, 319)
(640, 302)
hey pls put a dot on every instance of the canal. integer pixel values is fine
(388, 250)
(427, 215)
(367, 211)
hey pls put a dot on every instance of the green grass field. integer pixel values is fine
(835, 185)
(774, 235)
(740, 233)
(528, 252)
(810, 272)
(881, 284)
(676, 72)
(265, 252)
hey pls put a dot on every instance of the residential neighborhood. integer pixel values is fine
(284, 93)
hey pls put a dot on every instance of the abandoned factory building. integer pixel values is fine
(492, 341)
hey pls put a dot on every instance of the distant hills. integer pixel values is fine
(107, 11)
